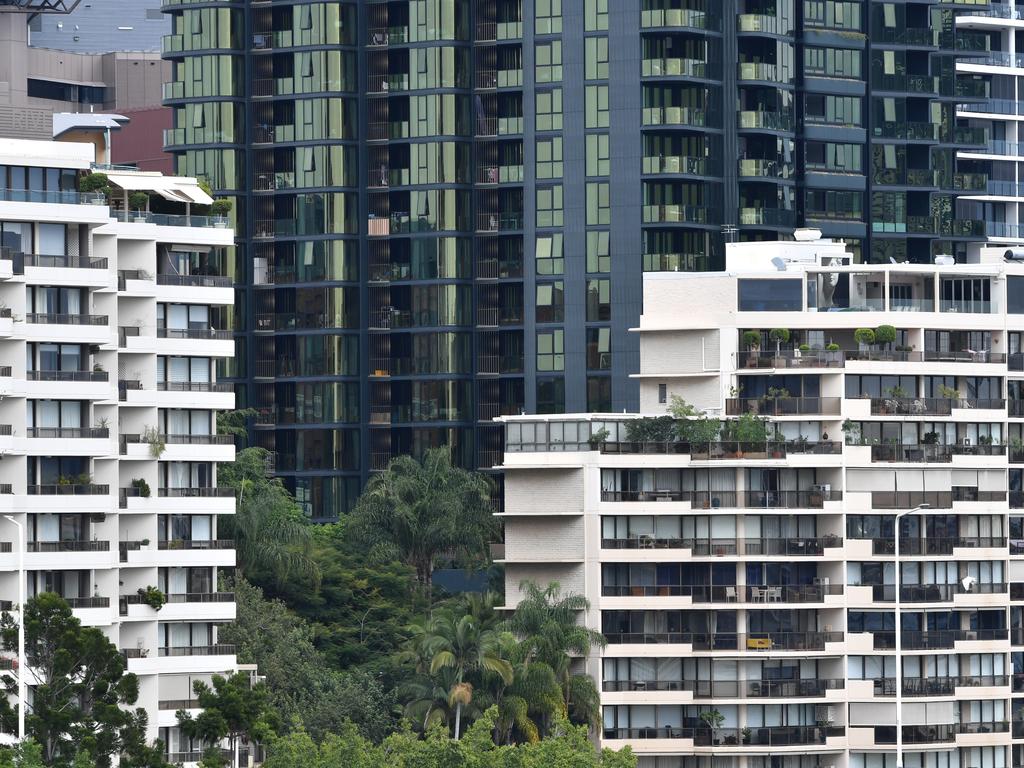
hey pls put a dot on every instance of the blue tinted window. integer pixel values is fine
(771, 295)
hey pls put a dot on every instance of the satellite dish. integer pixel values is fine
(779, 263)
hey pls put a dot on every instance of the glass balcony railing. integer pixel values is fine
(61, 197)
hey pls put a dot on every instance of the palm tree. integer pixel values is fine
(269, 530)
(470, 652)
(416, 511)
(547, 625)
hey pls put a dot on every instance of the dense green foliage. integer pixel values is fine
(567, 747)
(302, 683)
(272, 537)
(418, 510)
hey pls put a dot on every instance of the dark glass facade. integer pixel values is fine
(445, 207)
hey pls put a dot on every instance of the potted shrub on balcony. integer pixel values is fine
(152, 597)
(851, 431)
(95, 183)
(885, 334)
(598, 437)
(752, 341)
(745, 735)
(864, 337)
(142, 486)
(780, 336)
(713, 720)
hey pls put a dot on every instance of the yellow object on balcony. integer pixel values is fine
(759, 643)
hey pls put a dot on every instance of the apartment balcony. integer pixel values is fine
(779, 736)
(679, 18)
(912, 406)
(680, 214)
(947, 686)
(761, 169)
(764, 119)
(732, 689)
(70, 328)
(692, 117)
(790, 359)
(767, 217)
(199, 606)
(942, 639)
(784, 406)
(946, 545)
(669, 165)
(196, 341)
(721, 547)
(679, 67)
(732, 641)
(703, 593)
(498, 126)
(814, 499)
(928, 593)
(54, 555)
(726, 449)
(89, 385)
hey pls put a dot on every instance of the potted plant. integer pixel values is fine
(745, 735)
(780, 336)
(138, 202)
(930, 438)
(865, 337)
(152, 597)
(851, 431)
(157, 442)
(598, 437)
(885, 334)
(95, 183)
(949, 393)
(713, 720)
(142, 486)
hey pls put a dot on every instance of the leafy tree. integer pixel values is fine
(81, 692)
(568, 746)
(302, 684)
(659, 429)
(27, 754)
(363, 607)
(272, 536)
(547, 626)
(232, 708)
(464, 652)
(234, 422)
(417, 511)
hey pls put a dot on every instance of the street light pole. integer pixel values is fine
(22, 699)
(899, 636)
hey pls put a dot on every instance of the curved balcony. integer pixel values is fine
(692, 117)
(678, 164)
(756, 168)
(767, 217)
(678, 67)
(679, 214)
(679, 18)
(764, 119)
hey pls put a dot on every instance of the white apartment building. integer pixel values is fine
(755, 577)
(111, 327)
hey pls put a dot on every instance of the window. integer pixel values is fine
(662, 393)
(599, 300)
(548, 15)
(596, 15)
(834, 158)
(599, 394)
(549, 110)
(549, 254)
(550, 302)
(833, 14)
(598, 257)
(551, 350)
(597, 106)
(598, 155)
(1015, 295)
(832, 62)
(599, 349)
(596, 58)
(551, 395)
(549, 62)
(833, 110)
(549, 158)
(771, 295)
(832, 204)
(549, 206)
(599, 206)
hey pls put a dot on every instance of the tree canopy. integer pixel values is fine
(418, 510)
(567, 747)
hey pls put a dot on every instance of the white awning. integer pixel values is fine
(179, 190)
